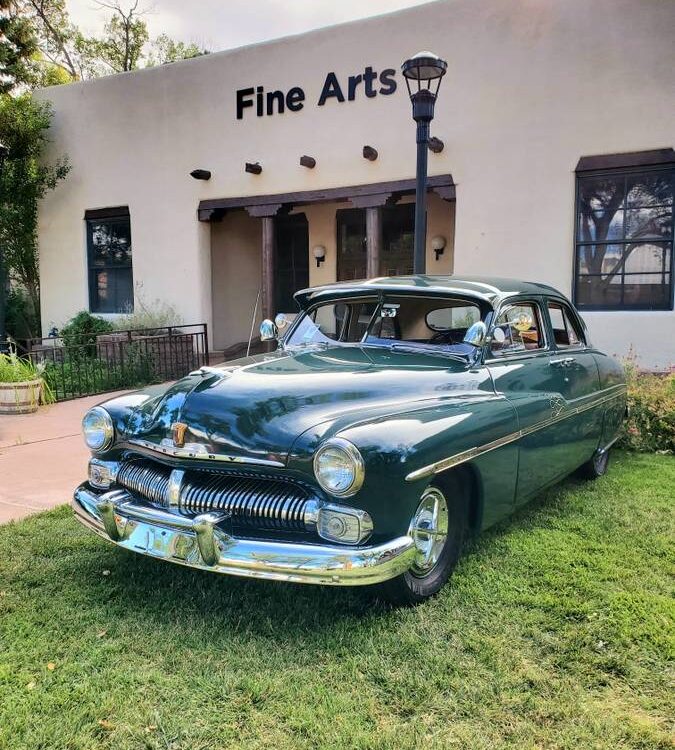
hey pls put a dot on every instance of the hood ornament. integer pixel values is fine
(178, 430)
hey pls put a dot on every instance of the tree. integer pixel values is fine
(25, 179)
(166, 50)
(121, 46)
(18, 45)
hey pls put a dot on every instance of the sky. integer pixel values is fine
(224, 24)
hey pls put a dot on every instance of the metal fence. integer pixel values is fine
(88, 364)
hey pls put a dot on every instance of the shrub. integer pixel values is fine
(155, 317)
(651, 402)
(15, 369)
(79, 334)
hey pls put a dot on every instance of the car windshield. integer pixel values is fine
(402, 322)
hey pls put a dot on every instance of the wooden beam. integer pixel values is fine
(373, 240)
(268, 266)
(396, 187)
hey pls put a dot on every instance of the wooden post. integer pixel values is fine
(373, 240)
(268, 266)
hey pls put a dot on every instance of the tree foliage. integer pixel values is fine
(24, 180)
(42, 46)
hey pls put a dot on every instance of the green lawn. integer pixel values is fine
(556, 632)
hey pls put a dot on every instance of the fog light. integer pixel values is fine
(102, 474)
(339, 523)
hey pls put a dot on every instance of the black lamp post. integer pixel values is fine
(4, 153)
(423, 73)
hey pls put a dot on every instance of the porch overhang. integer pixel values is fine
(360, 196)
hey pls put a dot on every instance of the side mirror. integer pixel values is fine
(476, 334)
(280, 321)
(268, 330)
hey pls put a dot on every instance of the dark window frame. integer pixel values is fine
(114, 215)
(613, 169)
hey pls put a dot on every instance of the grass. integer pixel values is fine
(556, 632)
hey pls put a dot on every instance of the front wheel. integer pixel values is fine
(438, 528)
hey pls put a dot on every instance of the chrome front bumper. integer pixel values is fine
(199, 542)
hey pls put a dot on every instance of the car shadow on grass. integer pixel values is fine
(119, 582)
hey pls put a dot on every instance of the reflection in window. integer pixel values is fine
(624, 240)
(111, 288)
(566, 331)
(518, 329)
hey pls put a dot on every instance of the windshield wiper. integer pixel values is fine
(431, 349)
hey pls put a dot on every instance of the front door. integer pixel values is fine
(519, 362)
(292, 260)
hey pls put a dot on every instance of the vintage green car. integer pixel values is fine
(396, 417)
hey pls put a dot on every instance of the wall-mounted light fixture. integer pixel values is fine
(253, 168)
(438, 244)
(436, 145)
(369, 153)
(308, 161)
(319, 253)
(200, 174)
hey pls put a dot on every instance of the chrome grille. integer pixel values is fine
(262, 502)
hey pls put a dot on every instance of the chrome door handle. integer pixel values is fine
(562, 362)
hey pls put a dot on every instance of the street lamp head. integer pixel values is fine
(424, 66)
(423, 73)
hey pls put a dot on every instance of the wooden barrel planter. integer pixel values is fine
(20, 398)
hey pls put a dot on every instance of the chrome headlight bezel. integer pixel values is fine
(353, 456)
(106, 430)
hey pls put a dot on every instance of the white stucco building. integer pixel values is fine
(558, 124)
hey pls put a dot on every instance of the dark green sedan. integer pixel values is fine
(395, 418)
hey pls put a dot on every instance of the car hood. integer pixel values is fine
(257, 407)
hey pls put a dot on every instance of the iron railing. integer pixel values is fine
(87, 364)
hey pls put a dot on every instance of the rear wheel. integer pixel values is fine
(438, 528)
(596, 466)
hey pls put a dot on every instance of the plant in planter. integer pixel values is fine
(22, 386)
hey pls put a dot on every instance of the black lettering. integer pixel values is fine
(388, 81)
(295, 98)
(259, 101)
(353, 83)
(243, 101)
(278, 97)
(331, 87)
(369, 75)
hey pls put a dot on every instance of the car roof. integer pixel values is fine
(486, 288)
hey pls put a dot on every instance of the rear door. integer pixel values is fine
(578, 383)
(519, 360)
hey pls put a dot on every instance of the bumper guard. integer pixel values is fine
(198, 542)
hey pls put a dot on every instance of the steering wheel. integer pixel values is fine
(444, 337)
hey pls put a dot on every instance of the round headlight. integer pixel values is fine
(338, 467)
(98, 429)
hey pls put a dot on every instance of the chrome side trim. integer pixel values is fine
(200, 452)
(471, 453)
(200, 543)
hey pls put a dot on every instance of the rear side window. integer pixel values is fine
(566, 330)
(518, 329)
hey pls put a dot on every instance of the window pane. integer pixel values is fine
(110, 260)
(596, 259)
(398, 234)
(521, 330)
(650, 189)
(351, 232)
(113, 291)
(649, 222)
(110, 243)
(602, 193)
(597, 226)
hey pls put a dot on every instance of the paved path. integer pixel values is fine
(42, 457)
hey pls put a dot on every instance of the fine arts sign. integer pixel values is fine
(370, 83)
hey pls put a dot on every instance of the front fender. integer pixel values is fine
(395, 446)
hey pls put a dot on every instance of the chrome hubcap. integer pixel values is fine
(429, 531)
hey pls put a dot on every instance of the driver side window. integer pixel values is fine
(518, 329)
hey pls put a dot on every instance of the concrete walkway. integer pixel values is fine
(43, 457)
